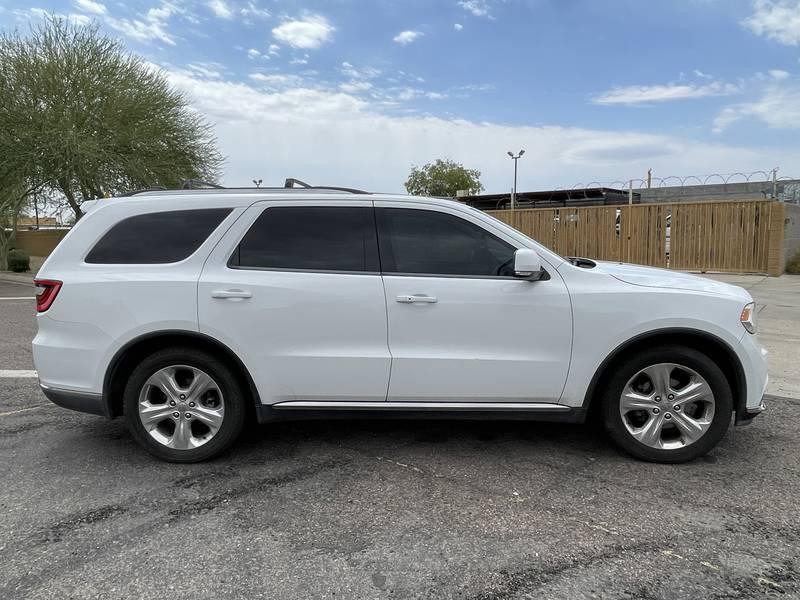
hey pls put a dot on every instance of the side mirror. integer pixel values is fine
(527, 264)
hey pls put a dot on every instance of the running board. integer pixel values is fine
(422, 406)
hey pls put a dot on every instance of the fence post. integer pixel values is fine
(776, 261)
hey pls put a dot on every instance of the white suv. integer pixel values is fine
(192, 312)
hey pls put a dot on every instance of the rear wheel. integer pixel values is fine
(184, 405)
(668, 404)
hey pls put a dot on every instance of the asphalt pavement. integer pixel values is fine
(371, 509)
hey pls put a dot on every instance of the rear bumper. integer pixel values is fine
(80, 401)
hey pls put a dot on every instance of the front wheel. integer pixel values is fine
(670, 404)
(184, 405)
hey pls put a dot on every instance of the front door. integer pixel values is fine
(294, 289)
(461, 327)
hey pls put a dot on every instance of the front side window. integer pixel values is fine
(425, 242)
(315, 238)
(156, 238)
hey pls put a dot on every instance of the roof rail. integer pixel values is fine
(290, 184)
(157, 188)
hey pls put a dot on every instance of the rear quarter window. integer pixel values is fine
(156, 238)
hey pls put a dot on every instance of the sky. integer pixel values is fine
(355, 92)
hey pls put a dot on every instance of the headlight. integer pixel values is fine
(748, 317)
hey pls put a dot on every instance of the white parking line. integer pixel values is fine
(13, 412)
(18, 298)
(17, 373)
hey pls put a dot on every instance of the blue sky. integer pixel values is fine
(355, 92)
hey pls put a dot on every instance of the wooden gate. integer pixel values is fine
(743, 237)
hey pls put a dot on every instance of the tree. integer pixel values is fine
(443, 178)
(12, 198)
(82, 116)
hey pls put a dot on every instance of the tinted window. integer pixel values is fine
(311, 237)
(435, 243)
(163, 237)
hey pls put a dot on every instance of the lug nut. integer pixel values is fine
(656, 411)
(183, 396)
(172, 402)
(676, 408)
(191, 404)
(188, 415)
(667, 416)
(658, 398)
(176, 415)
(671, 396)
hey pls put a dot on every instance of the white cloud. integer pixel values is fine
(406, 37)
(778, 20)
(308, 33)
(478, 8)
(253, 53)
(648, 94)
(40, 13)
(354, 73)
(355, 87)
(91, 6)
(779, 74)
(778, 107)
(702, 75)
(273, 50)
(220, 8)
(255, 11)
(458, 26)
(332, 136)
(150, 27)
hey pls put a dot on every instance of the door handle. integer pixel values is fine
(409, 299)
(240, 294)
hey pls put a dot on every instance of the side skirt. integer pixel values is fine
(510, 411)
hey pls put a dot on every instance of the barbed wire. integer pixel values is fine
(639, 183)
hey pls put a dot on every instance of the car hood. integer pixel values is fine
(664, 278)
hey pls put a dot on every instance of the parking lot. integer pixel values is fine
(442, 509)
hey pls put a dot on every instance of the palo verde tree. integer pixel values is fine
(443, 178)
(84, 117)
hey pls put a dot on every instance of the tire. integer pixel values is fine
(647, 425)
(205, 394)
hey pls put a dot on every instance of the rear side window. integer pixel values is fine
(155, 238)
(425, 242)
(311, 238)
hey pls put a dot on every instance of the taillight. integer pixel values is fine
(46, 292)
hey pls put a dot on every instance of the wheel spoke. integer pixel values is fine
(153, 414)
(696, 390)
(201, 383)
(182, 437)
(659, 375)
(212, 417)
(165, 381)
(650, 433)
(690, 429)
(632, 400)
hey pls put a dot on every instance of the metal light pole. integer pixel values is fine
(257, 182)
(514, 193)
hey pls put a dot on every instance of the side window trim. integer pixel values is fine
(107, 235)
(233, 260)
(431, 209)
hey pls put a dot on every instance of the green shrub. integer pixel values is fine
(793, 266)
(19, 261)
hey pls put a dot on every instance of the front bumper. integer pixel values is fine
(80, 401)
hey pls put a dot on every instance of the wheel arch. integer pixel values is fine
(127, 357)
(711, 345)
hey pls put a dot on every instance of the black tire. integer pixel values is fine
(628, 367)
(232, 392)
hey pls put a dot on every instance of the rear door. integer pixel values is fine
(295, 290)
(461, 327)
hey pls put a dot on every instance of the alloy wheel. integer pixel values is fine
(667, 406)
(181, 407)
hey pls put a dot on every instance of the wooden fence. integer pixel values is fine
(743, 237)
(39, 243)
